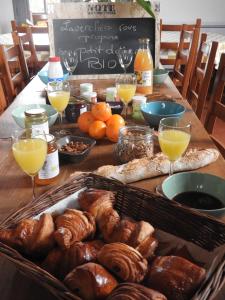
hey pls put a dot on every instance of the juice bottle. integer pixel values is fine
(143, 68)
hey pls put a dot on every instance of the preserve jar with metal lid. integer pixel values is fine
(74, 109)
(50, 169)
(36, 119)
(134, 142)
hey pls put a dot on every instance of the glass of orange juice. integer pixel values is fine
(126, 88)
(29, 150)
(59, 96)
(174, 135)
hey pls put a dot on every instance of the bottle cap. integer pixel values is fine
(54, 58)
(35, 112)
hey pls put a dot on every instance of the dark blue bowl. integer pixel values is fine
(154, 111)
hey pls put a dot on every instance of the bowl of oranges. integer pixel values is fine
(100, 123)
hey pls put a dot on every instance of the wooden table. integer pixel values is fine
(16, 186)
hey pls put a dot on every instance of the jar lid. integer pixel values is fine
(138, 99)
(89, 94)
(54, 58)
(37, 112)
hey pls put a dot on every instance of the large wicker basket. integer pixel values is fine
(140, 204)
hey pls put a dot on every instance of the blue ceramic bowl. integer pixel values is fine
(154, 111)
(159, 76)
(196, 182)
(19, 116)
(43, 75)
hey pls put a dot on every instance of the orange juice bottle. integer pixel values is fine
(143, 68)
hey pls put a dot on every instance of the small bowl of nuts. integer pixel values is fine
(134, 142)
(74, 148)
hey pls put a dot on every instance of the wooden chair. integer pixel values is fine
(25, 40)
(167, 46)
(216, 108)
(202, 75)
(185, 59)
(13, 71)
(34, 30)
(3, 101)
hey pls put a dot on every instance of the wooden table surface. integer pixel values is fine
(16, 186)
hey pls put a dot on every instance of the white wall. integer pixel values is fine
(212, 12)
(6, 15)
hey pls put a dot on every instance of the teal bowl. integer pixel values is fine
(159, 76)
(19, 116)
(197, 182)
(154, 111)
(43, 75)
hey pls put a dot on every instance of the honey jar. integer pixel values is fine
(36, 119)
(50, 169)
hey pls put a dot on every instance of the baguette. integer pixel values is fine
(139, 169)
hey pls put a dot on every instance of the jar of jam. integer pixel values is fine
(74, 109)
(36, 119)
(50, 170)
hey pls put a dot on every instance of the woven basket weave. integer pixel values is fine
(140, 204)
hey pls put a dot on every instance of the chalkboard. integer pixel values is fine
(97, 40)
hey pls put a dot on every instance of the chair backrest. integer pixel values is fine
(34, 29)
(3, 100)
(216, 108)
(202, 75)
(167, 46)
(185, 59)
(27, 44)
(14, 72)
(39, 17)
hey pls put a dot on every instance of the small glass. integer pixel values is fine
(126, 88)
(70, 60)
(174, 135)
(59, 95)
(134, 142)
(125, 57)
(30, 150)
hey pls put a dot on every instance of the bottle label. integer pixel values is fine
(51, 166)
(144, 78)
(40, 127)
(82, 110)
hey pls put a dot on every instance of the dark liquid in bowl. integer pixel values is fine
(198, 200)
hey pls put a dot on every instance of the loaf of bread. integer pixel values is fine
(144, 168)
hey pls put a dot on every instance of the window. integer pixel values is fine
(40, 6)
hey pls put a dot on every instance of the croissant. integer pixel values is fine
(32, 237)
(107, 223)
(60, 262)
(96, 201)
(124, 261)
(147, 247)
(72, 226)
(174, 276)
(134, 291)
(91, 281)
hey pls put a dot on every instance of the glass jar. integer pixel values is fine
(36, 119)
(50, 170)
(137, 101)
(134, 142)
(74, 109)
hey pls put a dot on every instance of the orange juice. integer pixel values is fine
(143, 68)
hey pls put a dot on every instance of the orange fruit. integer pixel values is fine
(112, 131)
(101, 111)
(97, 130)
(115, 119)
(85, 120)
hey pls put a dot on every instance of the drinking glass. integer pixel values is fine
(30, 150)
(174, 135)
(59, 95)
(70, 60)
(125, 57)
(126, 88)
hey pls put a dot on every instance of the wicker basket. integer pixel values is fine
(140, 204)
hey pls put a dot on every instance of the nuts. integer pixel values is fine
(74, 147)
(134, 142)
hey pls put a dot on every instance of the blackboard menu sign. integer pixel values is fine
(98, 31)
